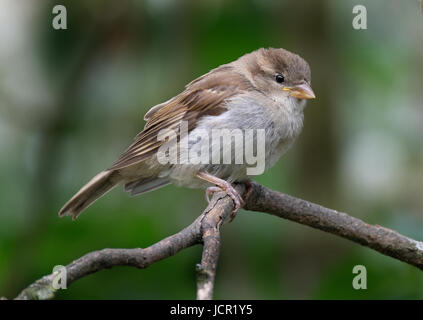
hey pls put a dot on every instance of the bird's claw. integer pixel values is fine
(210, 191)
(232, 193)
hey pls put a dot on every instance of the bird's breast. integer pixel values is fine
(269, 129)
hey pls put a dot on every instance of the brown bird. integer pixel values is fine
(263, 92)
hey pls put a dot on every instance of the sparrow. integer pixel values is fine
(266, 90)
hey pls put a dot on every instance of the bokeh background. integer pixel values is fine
(72, 100)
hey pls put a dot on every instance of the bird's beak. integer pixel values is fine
(301, 91)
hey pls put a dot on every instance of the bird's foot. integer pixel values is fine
(222, 185)
(210, 191)
(231, 192)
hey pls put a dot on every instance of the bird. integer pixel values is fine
(266, 90)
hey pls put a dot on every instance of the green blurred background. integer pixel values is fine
(72, 100)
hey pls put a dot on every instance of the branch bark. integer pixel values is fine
(381, 239)
(206, 230)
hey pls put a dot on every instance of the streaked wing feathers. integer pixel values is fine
(203, 96)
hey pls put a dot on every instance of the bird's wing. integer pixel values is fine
(203, 96)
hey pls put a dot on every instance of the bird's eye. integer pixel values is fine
(279, 78)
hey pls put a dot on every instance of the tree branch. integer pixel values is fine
(212, 220)
(384, 240)
(206, 230)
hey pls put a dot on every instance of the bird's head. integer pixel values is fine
(278, 72)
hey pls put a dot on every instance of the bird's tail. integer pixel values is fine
(98, 186)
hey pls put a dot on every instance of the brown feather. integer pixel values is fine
(204, 96)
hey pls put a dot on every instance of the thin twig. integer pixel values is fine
(384, 240)
(107, 258)
(206, 229)
(219, 209)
